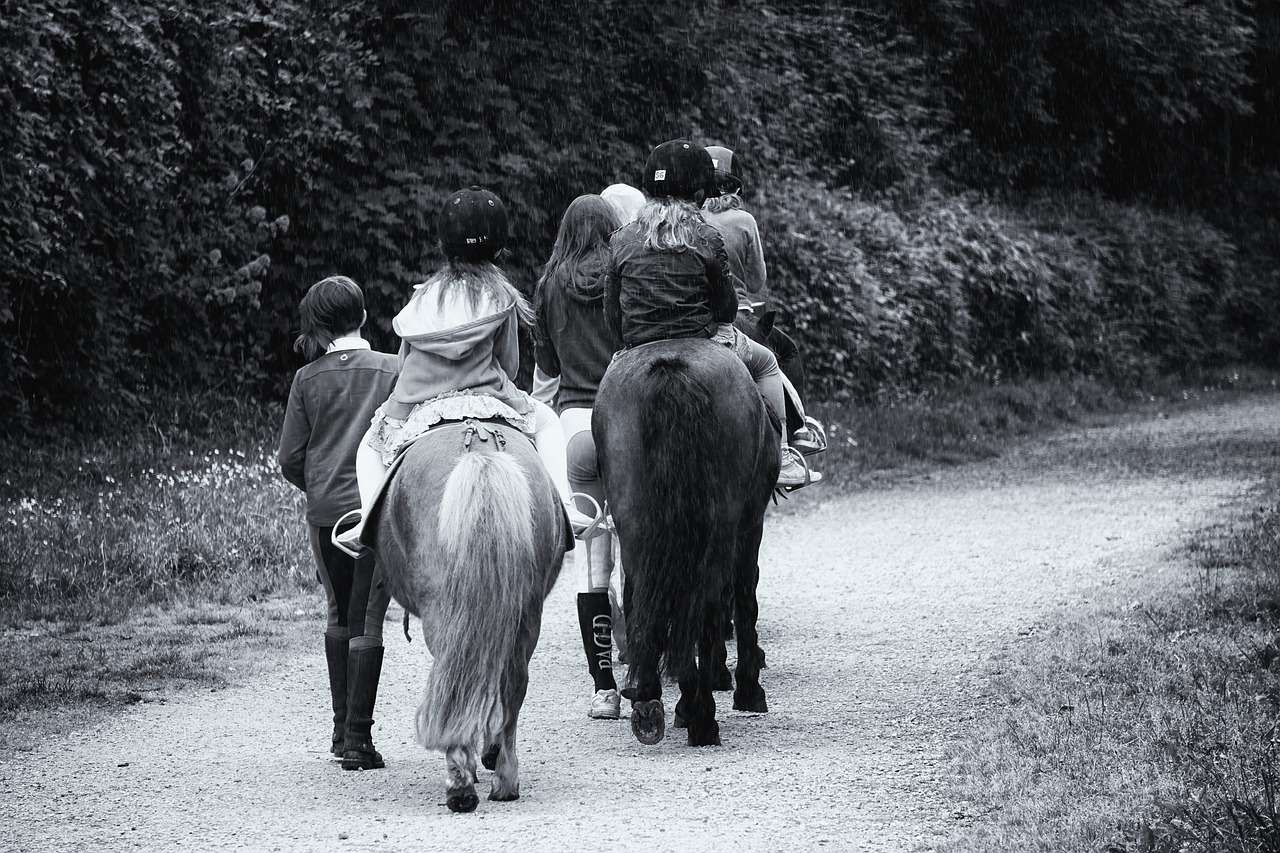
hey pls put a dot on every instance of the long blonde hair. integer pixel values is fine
(476, 279)
(669, 224)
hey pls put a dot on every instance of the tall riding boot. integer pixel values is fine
(363, 668)
(596, 622)
(335, 655)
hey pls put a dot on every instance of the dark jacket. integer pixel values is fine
(330, 404)
(574, 341)
(653, 296)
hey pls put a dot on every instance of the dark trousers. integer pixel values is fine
(356, 595)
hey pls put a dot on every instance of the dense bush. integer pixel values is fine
(135, 240)
(176, 176)
(951, 288)
(1130, 96)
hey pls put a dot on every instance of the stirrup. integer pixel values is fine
(816, 442)
(600, 524)
(804, 463)
(359, 549)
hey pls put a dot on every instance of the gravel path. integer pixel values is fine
(878, 613)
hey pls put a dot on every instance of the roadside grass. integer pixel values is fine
(184, 523)
(56, 675)
(93, 530)
(969, 423)
(1148, 729)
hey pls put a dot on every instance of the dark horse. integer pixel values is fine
(689, 457)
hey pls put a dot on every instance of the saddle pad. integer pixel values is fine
(370, 533)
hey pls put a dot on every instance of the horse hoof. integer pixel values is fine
(463, 800)
(705, 734)
(361, 759)
(753, 701)
(724, 681)
(490, 757)
(648, 722)
(504, 796)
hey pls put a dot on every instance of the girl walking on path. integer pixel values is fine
(575, 345)
(330, 403)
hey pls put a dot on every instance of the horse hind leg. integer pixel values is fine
(685, 705)
(490, 756)
(460, 762)
(644, 685)
(749, 695)
(722, 680)
(703, 730)
(506, 775)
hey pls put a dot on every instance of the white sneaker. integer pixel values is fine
(795, 471)
(605, 705)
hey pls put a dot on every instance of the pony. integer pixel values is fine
(470, 537)
(688, 454)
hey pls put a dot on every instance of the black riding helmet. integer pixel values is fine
(728, 167)
(678, 169)
(473, 225)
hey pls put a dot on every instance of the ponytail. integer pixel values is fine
(330, 307)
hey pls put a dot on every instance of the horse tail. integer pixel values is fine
(672, 586)
(486, 536)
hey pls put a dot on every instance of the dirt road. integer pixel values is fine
(878, 613)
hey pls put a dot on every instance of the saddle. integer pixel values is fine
(477, 432)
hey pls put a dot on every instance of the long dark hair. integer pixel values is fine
(584, 232)
(330, 307)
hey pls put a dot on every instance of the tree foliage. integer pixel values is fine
(176, 175)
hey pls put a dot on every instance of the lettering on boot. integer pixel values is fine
(602, 633)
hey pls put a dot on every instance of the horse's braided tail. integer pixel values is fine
(673, 587)
(485, 530)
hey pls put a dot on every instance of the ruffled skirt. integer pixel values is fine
(388, 436)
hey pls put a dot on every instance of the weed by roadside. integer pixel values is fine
(219, 524)
(1149, 729)
(53, 674)
(185, 507)
(973, 422)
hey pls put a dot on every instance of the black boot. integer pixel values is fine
(335, 654)
(595, 618)
(363, 668)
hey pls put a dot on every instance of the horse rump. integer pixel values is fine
(673, 574)
(489, 564)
